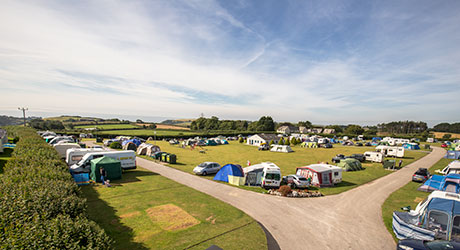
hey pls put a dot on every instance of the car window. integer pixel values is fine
(456, 229)
(437, 222)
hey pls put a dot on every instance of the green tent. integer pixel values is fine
(350, 164)
(112, 168)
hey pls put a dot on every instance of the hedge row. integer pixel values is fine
(40, 204)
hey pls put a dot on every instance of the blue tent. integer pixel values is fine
(453, 155)
(376, 138)
(135, 141)
(227, 170)
(411, 146)
(224, 142)
(450, 183)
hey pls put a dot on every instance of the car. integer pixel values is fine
(368, 144)
(421, 175)
(327, 145)
(444, 145)
(337, 158)
(295, 181)
(411, 244)
(264, 147)
(359, 144)
(206, 168)
(359, 157)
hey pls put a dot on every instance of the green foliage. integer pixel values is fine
(281, 141)
(46, 124)
(306, 124)
(152, 126)
(287, 142)
(337, 128)
(40, 204)
(294, 141)
(115, 145)
(241, 140)
(354, 130)
(299, 141)
(271, 142)
(446, 136)
(403, 127)
(213, 123)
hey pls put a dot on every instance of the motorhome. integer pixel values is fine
(74, 155)
(57, 139)
(265, 174)
(373, 156)
(127, 159)
(390, 151)
(452, 168)
(395, 141)
(62, 147)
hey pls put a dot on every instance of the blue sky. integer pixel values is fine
(328, 62)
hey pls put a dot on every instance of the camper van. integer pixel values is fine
(390, 151)
(265, 174)
(61, 147)
(126, 157)
(373, 156)
(74, 155)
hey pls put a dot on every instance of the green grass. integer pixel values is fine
(150, 132)
(4, 157)
(141, 189)
(408, 195)
(107, 126)
(237, 153)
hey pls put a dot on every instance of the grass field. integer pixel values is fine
(4, 157)
(407, 196)
(147, 211)
(107, 126)
(150, 132)
(237, 153)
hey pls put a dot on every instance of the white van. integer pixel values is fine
(265, 174)
(126, 157)
(74, 155)
(373, 156)
(61, 147)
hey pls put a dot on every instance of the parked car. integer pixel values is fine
(427, 245)
(368, 144)
(444, 145)
(359, 157)
(359, 144)
(206, 168)
(421, 175)
(264, 147)
(327, 145)
(337, 158)
(295, 181)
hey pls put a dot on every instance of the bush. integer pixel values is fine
(271, 143)
(241, 140)
(446, 136)
(285, 190)
(40, 204)
(115, 145)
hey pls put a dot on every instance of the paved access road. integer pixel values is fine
(350, 220)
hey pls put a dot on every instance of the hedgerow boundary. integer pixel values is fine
(40, 204)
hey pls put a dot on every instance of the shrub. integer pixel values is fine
(285, 190)
(241, 140)
(40, 204)
(271, 142)
(446, 136)
(115, 145)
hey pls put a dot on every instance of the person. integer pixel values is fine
(400, 163)
(103, 175)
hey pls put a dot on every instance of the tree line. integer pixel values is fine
(265, 123)
(403, 127)
(447, 127)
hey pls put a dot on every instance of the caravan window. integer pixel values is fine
(336, 173)
(455, 236)
(76, 157)
(437, 222)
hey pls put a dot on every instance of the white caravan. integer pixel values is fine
(61, 147)
(452, 168)
(265, 174)
(127, 159)
(74, 155)
(373, 156)
(390, 151)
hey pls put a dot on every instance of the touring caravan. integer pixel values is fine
(126, 157)
(390, 151)
(452, 168)
(74, 155)
(373, 156)
(322, 175)
(265, 174)
(61, 147)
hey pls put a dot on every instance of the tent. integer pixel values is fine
(448, 183)
(350, 164)
(411, 146)
(229, 169)
(211, 143)
(376, 139)
(281, 148)
(111, 166)
(452, 155)
(137, 142)
(130, 146)
(152, 149)
(224, 141)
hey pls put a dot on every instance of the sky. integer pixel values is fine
(329, 62)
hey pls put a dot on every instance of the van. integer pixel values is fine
(265, 174)
(373, 156)
(74, 155)
(127, 159)
(61, 147)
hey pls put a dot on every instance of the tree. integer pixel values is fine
(306, 124)
(446, 136)
(152, 126)
(241, 140)
(354, 130)
(139, 121)
(265, 123)
(337, 128)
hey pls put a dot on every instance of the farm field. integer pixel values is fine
(237, 153)
(166, 126)
(408, 195)
(107, 126)
(439, 135)
(147, 211)
(150, 132)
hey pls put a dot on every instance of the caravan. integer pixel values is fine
(390, 151)
(265, 174)
(126, 157)
(373, 156)
(74, 155)
(61, 147)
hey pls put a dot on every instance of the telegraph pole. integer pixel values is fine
(24, 114)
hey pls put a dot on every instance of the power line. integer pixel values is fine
(24, 114)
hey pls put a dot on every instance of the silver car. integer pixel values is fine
(296, 181)
(206, 168)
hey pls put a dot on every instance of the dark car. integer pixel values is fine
(359, 157)
(359, 144)
(421, 175)
(337, 158)
(368, 144)
(327, 145)
(264, 147)
(410, 244)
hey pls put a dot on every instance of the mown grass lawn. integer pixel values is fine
(107, 126)
(126, 212)
(4, 157)
(408, 195)
(149, 132)
(238, 153)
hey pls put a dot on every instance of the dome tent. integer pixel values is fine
(350, 164)
(229, 169)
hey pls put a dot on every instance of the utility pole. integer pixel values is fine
(24, 114)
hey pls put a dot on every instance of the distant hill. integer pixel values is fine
(10, 120)
(179, 122)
